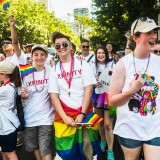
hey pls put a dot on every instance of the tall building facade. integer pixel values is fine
(81, 12)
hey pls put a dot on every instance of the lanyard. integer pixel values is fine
(7, 82)
(64, 74)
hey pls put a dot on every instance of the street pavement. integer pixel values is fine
(23, 155)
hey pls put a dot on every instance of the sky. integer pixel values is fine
(62, 7)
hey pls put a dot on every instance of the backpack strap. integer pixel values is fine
(90, 58)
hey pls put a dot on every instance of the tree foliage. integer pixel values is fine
(34, 23)
(115, 17)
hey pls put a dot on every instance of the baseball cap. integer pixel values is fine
(7, 67)
(143, 25)
(41, 47)
(56, 35)
(29, 45)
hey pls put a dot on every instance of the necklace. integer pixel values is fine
(43, 81)
(136, 74)
(65, 75)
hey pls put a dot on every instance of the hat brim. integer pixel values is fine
(148, 29)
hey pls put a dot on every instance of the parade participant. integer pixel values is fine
(102, 62)
(70, 87)
(11, 47)
(135, 77)
(111, 52)
(85, 55)
(28, 49)
(9, 74)
(38, 111)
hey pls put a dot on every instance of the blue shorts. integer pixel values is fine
(8, 142)
(131, 143)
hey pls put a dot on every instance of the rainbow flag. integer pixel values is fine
(69, 140)
(93, 119)
(5, 3)
(26, 69)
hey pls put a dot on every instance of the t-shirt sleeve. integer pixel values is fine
(53, 82)
(87, 74)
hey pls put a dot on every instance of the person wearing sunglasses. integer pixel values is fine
(156, 48)
(11, 47)
(85, 55)
(136, 78)
(70, 85)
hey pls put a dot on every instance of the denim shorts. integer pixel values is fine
(131, 143)
(39, 137)
(8, 142)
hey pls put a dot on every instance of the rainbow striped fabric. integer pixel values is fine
(69, 140)
(92, 118)
(5, 3)
(26, 69)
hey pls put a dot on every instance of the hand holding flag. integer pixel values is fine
(91, 120)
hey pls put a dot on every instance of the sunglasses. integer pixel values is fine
(87, 47)
(5, 42)
(157, 51)
(64, 45)
(143, 19)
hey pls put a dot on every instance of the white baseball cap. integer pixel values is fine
(143, 25)
(7, 67)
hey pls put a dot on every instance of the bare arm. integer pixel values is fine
(58, 107)
(116, 97)
(86, 102)
(14, 36)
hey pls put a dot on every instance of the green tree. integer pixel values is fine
(115, 17)
(34, 23)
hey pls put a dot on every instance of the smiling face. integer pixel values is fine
(39, 57)
(146, 41)
(7, 48)
(63, 48)
(85, 49)
(101, 56)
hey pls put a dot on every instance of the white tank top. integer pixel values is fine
(139, 118)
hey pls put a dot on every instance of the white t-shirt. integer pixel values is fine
(139, 124)
(101, 67)
(17, 60)
(7, 110)
(82, 76)
(90, 58)
(48, 61)
(38, 109)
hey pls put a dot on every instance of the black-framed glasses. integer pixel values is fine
(143, 19)
(64, 45)
(157, 51)
(5, 42)
(87, 47)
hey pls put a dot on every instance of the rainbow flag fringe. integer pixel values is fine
(26, 69)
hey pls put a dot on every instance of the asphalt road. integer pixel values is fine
(23, 155)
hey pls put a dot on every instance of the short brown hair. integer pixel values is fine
(56, 35)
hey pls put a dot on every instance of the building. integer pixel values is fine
(82, 12)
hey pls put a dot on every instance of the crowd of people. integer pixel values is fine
(59, 95)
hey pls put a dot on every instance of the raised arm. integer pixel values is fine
(14, 36)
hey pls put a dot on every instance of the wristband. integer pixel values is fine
(83, 113)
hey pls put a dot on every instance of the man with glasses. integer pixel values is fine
(11, 47)
(90, 58)
(70, 86)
